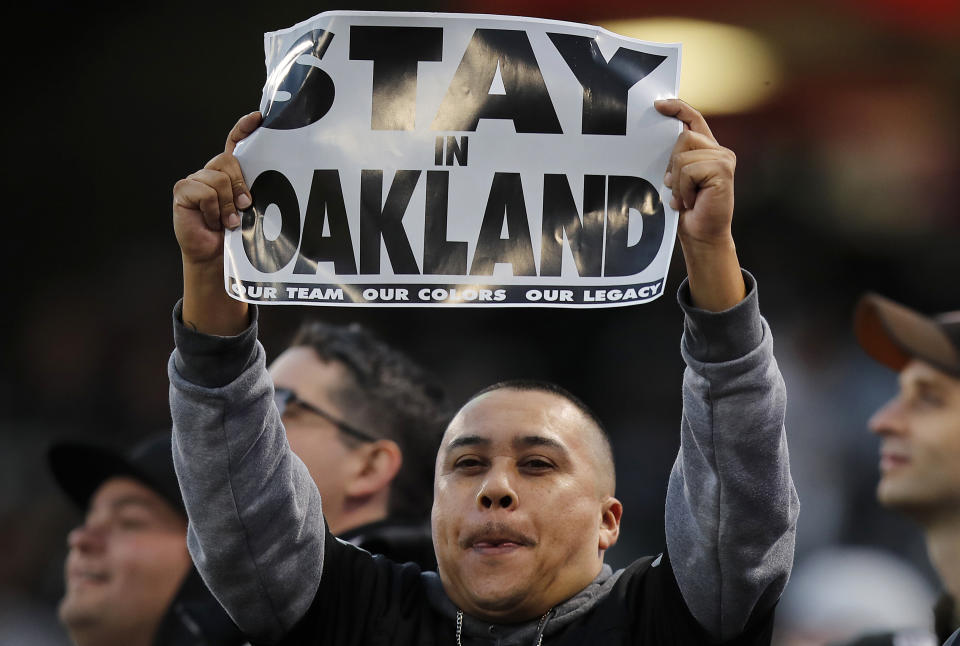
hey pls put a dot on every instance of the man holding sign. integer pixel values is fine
(524, 505)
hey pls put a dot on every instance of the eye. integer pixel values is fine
(293, 410)
(536, 464)
(928, 398)
(468, 463)
(132, 522)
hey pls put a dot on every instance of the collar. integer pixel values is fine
(562, 615)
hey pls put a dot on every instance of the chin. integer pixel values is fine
(901, 498)
(502, 610)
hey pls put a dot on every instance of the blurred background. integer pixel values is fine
(845, 117)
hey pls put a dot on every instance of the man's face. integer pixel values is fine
(920, 448)
(314, 439)
(126, 562)
(523, 505)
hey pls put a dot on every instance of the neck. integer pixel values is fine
(354, 514)
(943, 546)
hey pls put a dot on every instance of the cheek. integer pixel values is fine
(443, 512)
(153, 566)
(581, 517)
(324, 455)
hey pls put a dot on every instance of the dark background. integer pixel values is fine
(846, 182)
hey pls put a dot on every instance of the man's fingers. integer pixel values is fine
(690, 117)
(242, 129)
(687, 141)
(192, 195)
(227, 163)
(680, 159)
(692, 177)
(689, 167)
(222, 186)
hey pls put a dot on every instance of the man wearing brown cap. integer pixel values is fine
(128, 575)
(919, 431)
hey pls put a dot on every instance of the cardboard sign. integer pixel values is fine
(447, 159)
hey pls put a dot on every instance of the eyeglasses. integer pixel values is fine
(285, 397)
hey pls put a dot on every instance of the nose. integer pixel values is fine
(497, 490)
(88, 537)
(889, 420)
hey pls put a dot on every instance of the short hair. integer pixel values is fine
(549, 387)
(392, 397)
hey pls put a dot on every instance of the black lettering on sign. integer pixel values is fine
(440, 256)
(457, 149)
(623, 194)
(505, 202)
(326, 199)
(560, 217)
(311, 89)
(605, 85)
(526, 101)
(271, 188)
(386, 223)
(395, 52)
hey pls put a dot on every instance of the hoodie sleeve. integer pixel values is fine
(256, 531)
(731, 507)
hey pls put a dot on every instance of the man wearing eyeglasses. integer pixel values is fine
(366, 421)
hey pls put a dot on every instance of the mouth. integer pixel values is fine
(890, 460)
(496, 548)
(494, 540)
(81, 575)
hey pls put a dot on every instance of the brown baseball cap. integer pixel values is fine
(893, 334)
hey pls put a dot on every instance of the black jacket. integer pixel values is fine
(195, 618)
(398, 541)
(365, 599)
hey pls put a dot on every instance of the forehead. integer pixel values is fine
(300, 366)
(504, 416)
(118, 492)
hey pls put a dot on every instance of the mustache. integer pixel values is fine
(495, 531)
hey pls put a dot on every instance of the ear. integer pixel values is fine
(610, 514)
(379, 463)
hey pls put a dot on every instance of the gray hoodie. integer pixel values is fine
(256, 527)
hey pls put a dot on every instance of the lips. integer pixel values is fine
(86, 575)
(893, 459)
(495, 538)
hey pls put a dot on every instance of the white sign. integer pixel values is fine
(439, 159)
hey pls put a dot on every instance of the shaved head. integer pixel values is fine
(606, 473)
(523, 506)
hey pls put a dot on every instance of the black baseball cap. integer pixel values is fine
(81, 468)
(893, 334)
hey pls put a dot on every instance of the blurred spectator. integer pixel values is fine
(367, 422)
(837, 594)
(129, 579)
(920, 433)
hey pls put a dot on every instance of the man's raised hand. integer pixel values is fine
(207, 201)
(204, 204)
(700, 176)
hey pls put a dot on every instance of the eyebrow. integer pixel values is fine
(468, 440)
(518, 442)
(133, 501)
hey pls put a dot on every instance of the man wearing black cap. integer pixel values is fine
(129, 579)
(919, 431)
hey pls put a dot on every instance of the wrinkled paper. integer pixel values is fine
(455, 159)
